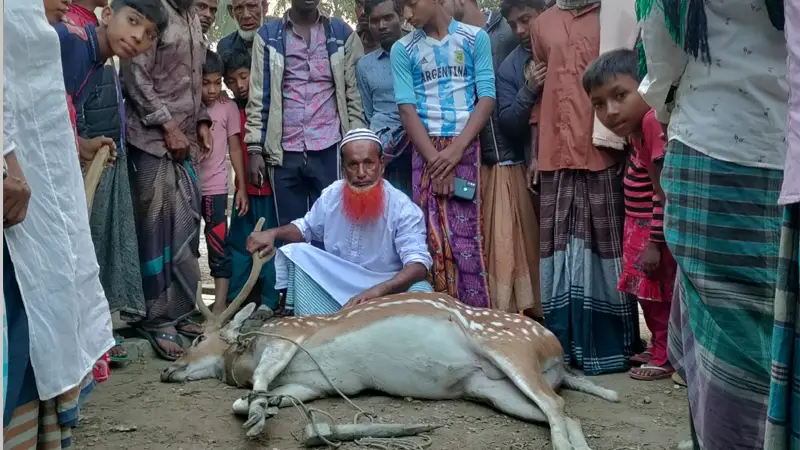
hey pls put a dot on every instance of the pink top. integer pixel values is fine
(791, 172)
(213, 169)
(310, 119)
(640, 199)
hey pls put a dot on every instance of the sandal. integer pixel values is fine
(641, 358)
(118, 360)
(152, 335)
(657, 372)
(677, 379)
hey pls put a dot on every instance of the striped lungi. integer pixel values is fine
(783, 419)
(306, 297)
(582, 215)
(722, 225)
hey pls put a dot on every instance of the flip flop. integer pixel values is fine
(118, 360)
(152, 335)
(677, 379)
(661, 373)
(641, 358)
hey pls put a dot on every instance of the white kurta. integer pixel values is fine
(356, 257)
(52, 250)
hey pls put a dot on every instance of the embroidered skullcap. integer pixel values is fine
(361, 134)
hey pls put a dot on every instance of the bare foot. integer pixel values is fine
(169, 346)
(117, 351)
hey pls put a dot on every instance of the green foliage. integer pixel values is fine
(489, 4)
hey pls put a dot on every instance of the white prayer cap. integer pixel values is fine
(361, 134)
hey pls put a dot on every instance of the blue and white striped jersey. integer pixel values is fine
(444, 79)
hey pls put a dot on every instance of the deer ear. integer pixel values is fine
(241, 316)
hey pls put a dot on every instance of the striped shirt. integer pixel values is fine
(641, 201)
(443, 79)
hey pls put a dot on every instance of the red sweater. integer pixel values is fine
(641, 200)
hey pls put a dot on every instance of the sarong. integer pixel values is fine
(28, 423)
(783, 419)
(241, 260)
(114, 237)
(511, 229)
(306, 297)
(455, 230)
(397, 151)
(582, 216)
(722, 224)
(167, 213)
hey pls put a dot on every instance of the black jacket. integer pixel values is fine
(98, 112)
(514, 100)
(495, 146)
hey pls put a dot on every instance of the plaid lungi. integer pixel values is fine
(722, 225)
(582, 216)
(306, 297)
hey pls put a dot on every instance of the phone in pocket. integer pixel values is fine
(464, 189)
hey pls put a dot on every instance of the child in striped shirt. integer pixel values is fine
(648, 268)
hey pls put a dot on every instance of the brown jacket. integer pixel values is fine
(568, 41)
(165, 83)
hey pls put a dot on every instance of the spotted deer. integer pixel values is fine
(421, 345)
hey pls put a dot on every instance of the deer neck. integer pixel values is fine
(239, 365)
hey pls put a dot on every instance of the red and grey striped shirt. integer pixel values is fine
(641, 201)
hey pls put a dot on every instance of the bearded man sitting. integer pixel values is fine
(374, 238)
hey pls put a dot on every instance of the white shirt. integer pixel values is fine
(735, 109)
(395, 240)
(56, 268)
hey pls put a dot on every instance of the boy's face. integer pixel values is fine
(384, 24)
(419, 13)
(521, 21)
(238, 81)
(55, 10)
(618, 104)
(129, 33)
(212, 86)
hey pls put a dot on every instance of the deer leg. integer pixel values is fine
(275, 357)
(505, 397)
(300, 392)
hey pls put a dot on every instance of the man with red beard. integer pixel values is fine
(374, 238)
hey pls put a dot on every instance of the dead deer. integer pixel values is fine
(425, 346)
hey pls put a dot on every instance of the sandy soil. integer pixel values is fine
(134, 410)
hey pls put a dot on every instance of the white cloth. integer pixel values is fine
(356, 257)
(735, 109)
(790, 192)
(52, 250)
(618, 29)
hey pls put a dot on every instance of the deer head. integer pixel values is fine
(205, 357)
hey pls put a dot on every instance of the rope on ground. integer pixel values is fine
(375, 443)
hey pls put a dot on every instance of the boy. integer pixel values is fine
(128, 28)
(444, 89)
(225, 134)
(259, 194)
(648, 269)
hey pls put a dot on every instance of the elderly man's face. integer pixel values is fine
(249, 14)
(362, 163)
(206, 10)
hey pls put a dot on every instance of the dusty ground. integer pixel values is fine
(134, 410)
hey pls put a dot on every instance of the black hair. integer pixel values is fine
(613, 63)
(372, 4)
(507, 5)
(213, 63)
(236, 59)
(152, 10)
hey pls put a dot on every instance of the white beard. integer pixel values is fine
(247, 35)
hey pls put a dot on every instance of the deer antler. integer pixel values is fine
(258, 262)
(91, 178)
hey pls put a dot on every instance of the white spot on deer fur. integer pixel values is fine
(371, 308)
(495, 337)
(311, 324)
(295, 324)
(535, 331)
(469, 311)
(524, 331)
(517, 320)
(485, 313)
(527, 338)
(353, 313)
(508, 333)
(475, 326)
(497, 324)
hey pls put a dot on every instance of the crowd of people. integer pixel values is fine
(572, 161)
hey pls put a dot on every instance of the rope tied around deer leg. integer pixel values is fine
(244, 340)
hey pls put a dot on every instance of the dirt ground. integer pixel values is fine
(134, 410)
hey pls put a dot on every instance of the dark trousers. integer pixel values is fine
(301, 179)
(216, 231)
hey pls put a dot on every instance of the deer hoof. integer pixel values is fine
(257, 418)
